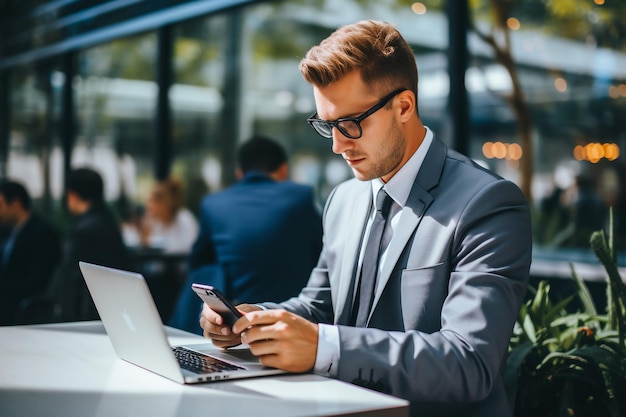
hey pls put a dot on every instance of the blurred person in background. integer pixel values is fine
(28, 255)
(589, 211)
(585, 211)
(167, 224)
(93, 236)
(258, 239)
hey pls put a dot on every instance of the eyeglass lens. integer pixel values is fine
(349, 127)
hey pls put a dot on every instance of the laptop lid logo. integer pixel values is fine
(129, 322)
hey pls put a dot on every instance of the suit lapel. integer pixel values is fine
(411, 214)
(360, 205)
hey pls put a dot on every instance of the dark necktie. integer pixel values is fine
(369, 268)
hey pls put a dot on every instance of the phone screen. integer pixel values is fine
(218, 302)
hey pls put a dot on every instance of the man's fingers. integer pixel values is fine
(213, 329)
(224, 344)
(263, 332)
(210, 315)
(258, 318)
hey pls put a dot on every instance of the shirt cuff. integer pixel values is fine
(327, 351)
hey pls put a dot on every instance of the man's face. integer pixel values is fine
(73, 202)
(382, 148)
(7, 211)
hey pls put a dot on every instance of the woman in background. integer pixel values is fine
(168, 225)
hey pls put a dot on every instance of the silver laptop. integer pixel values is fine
(134, 326)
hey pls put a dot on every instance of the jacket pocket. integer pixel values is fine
(423, 293)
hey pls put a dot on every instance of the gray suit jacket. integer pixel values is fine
(449, 293)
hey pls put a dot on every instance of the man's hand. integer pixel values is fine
(213, 326)
(280, 339)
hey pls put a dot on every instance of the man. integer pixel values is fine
(455, 256)
(258, 239)
(28, 256)
(94, 236)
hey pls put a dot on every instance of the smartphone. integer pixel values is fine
(218, 302)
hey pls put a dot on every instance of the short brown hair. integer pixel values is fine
(383, 57)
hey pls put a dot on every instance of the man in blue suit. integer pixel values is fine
(258, 239)
(415, 293)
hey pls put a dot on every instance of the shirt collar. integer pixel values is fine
(255, 176)
(399, 186)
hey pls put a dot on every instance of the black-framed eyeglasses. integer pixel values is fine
(350, 127)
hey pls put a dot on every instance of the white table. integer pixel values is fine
(70, 369)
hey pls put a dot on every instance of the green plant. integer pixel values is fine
(572, 364)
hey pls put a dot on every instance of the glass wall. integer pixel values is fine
(202, 128)
(115, 107)
(34, 152)
(235, 74)
(548, 98)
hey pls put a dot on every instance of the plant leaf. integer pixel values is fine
(583, 293)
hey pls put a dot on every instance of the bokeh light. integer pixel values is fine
(501, 150)
(418, 8)
(513, 23)
(560, 85)
(594, 152)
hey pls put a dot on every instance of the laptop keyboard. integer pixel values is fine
(200, 363)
